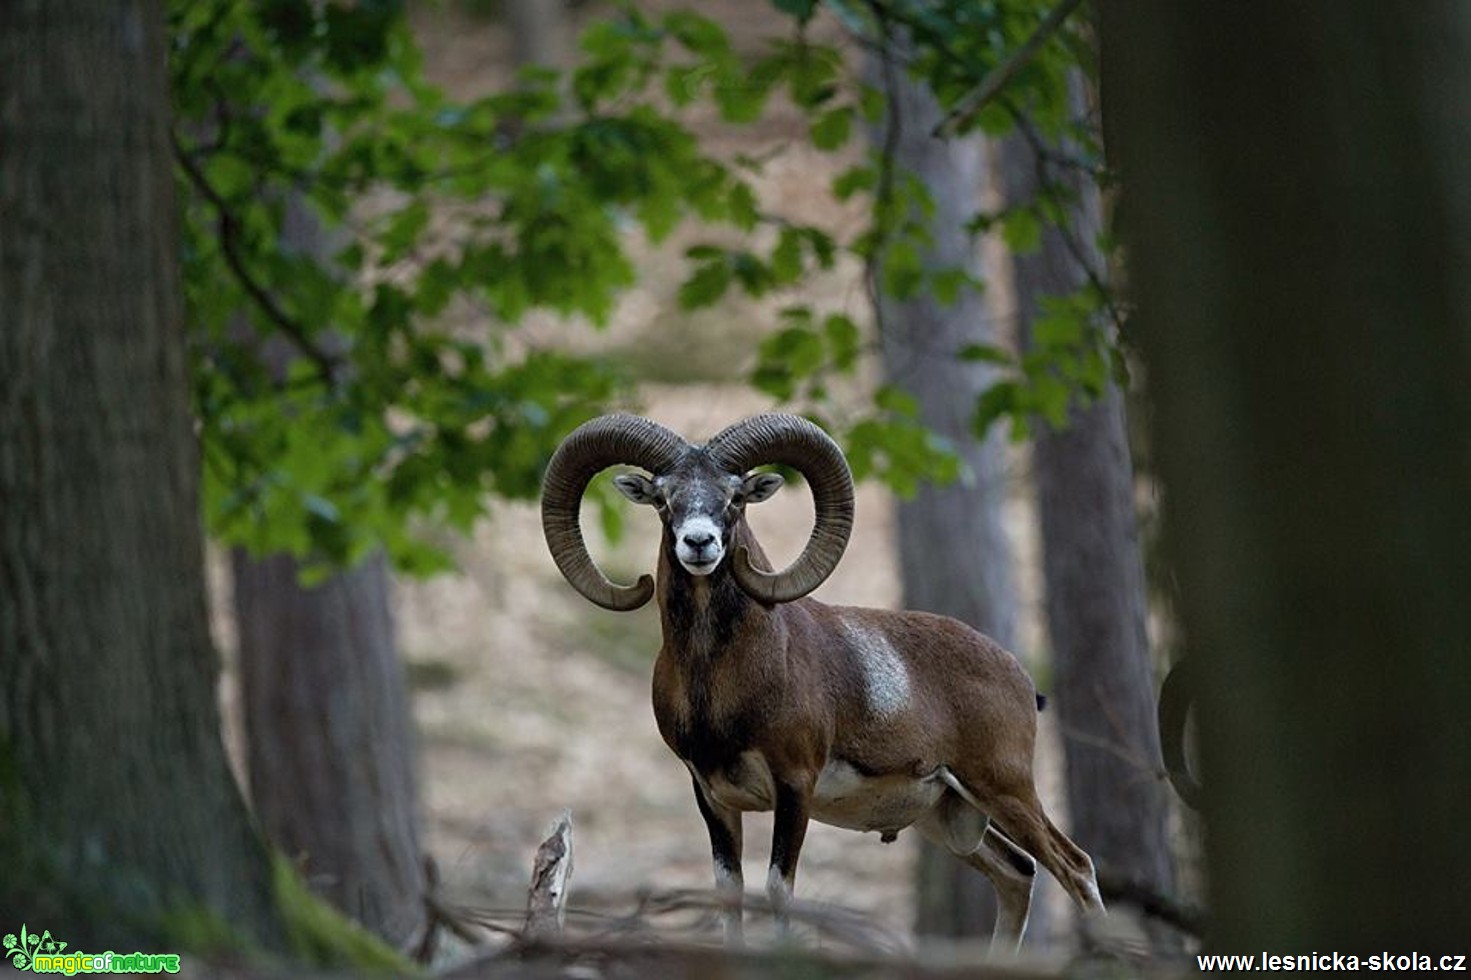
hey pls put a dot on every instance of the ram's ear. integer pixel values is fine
(636, 487)
(760, 486)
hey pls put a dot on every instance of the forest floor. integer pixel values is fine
(529, 700)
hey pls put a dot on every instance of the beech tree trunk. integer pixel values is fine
(117, 807)
(329, 740)
(1096, 599)
(954, 553)
(1299, 230)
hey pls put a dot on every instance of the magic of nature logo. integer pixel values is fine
(42, 953)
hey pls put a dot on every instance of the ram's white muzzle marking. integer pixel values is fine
(699, 560)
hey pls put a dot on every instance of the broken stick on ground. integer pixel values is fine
(546, 904)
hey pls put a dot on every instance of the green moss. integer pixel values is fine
(319, 936)
(204, 933)
(45, 883)
(323, 937)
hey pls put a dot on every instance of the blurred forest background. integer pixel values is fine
(335, 284)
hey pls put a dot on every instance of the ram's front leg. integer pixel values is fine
(789, 828)
(724, 825)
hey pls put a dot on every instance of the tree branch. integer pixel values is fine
(883, 198)
(546, 904)
(229, 229)
(970, 106)
(1054, 189)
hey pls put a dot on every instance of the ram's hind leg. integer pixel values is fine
(963, 830)
(1014, 805)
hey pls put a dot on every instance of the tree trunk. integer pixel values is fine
(329, 735)
(118, 808)
(1096, 599)
(954, 553)
(1300, 234)
(329, 740)
(541, 32)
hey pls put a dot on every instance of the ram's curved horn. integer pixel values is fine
(795, 442)
(1176, 698)
(589, 449)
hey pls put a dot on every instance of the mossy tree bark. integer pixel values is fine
(118, 813)
(1299, 230)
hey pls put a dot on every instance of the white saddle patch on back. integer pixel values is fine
(885, 678)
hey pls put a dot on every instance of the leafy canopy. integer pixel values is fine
(337, 207)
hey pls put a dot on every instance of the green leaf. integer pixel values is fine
(897, 400)
(1004, 398)
(786, 258)
(699, 34)
(1021, 230)
(755, 276)
(843, 340)
(291, 22)
(229, 175)
(872, 103)
(1051, 397)
(741, 97)
(775, 380)
(859, 177)
(832, 129)
(706, 285)
(403, 230)
(822, 246)
(744, 212)
(902, 268)
(947, 285)
(986, 353)
(357, 35)
(1061, 324)
(686, 83)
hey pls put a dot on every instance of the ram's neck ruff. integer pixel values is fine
(701, 614)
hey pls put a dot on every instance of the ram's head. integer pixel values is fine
(700, 492)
